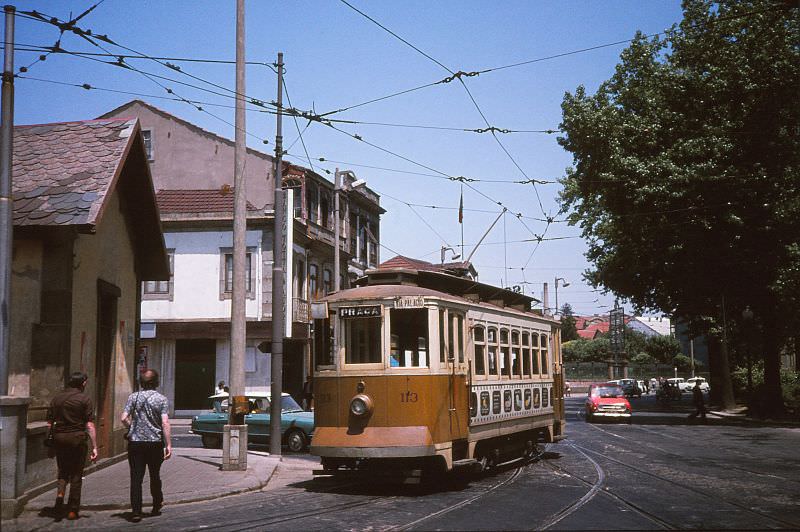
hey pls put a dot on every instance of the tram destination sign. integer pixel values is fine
(371, 311)
(409, 302)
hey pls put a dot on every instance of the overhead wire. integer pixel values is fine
(296, 125)
(458, 76)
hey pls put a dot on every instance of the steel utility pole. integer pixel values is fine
(234, 456)
(279, 253)
(6, 200)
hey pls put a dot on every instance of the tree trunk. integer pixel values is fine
(721, 392)
(771, 396)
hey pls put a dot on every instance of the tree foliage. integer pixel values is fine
(686, 176)
(569, 329)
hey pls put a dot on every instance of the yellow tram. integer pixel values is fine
(428, 371)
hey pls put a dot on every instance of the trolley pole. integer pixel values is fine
(234, 440)
(337, 225)
(279, 254)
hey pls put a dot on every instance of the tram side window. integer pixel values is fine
(323, 343)
(535, 353)
(505, 354)
(543, 351)
(491, 337)
(409, 334)
(526, 354)
(480, 351)
(460, 320)
(442, 348)
(363, 340)
(516, 367)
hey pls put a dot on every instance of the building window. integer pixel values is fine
(353, 231)
(147, 137)
(327, 281)
(301, 279)
(312, 202)
(161, 289)
(313, 281)
(324, 209)
(226, 273)
(373, 244)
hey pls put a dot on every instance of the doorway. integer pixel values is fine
(195, 367)
(106, 334)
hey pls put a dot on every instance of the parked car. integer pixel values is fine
(680, 383)
(691, 382)
(297, 425)
(607, 400)
(629, 386)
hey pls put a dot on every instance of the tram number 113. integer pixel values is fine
(408, 397)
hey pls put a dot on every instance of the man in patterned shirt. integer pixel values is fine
(149, 441)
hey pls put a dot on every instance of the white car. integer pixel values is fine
(680, 382)
(691, 382)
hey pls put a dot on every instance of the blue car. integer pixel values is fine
(297, 425)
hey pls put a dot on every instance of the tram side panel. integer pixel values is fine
(410, 417)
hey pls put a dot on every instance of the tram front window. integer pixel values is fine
(409, 336)
(363, 340)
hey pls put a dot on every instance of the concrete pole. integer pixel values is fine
(234, 456)
(278, 254)
(337, 230)
(6, 200)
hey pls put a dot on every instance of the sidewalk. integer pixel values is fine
(189, 475)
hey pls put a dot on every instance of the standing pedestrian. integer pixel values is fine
(149, 441)
(699, 403)
(567, 389)
(308, 394)
(71, 417)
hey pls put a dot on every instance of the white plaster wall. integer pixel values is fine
(196, 266)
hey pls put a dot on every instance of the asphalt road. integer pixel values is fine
(659, 472)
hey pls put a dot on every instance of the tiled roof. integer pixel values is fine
(193, 201)
(62, 172)
(415, 264)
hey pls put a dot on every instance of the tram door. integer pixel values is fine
(451, 335)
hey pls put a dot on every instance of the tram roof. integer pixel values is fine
(388, 282)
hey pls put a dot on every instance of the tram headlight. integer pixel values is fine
(360, 405)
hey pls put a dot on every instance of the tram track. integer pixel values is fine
(596, 488)
(710, 460)
(715, 498)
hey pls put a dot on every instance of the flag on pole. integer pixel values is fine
(461, 209)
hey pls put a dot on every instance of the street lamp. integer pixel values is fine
(445, 249)
(747, 317)
(564, 284)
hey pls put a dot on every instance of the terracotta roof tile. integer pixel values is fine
(196, 201)
(62, 172)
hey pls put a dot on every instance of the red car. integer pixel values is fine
(607, 400)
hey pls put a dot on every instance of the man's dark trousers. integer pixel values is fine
(141, 455)
(71, 452)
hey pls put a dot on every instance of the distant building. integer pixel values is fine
(86, 235)
(186, 320)
(651, 326)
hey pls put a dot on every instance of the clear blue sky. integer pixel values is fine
(336, 58)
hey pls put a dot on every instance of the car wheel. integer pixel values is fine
(296, 440)
(211, 441)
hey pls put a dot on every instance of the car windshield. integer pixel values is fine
(608, 391)
(288, 404)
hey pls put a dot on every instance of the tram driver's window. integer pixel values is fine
(480, 351)
(409, 334)
(363, 340)
(323, 343)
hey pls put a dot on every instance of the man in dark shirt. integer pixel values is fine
(71, 416)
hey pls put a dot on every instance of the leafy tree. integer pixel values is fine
(643, 359)
(663, 348)
(569, 329)
(581, 350)
(686, 176)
